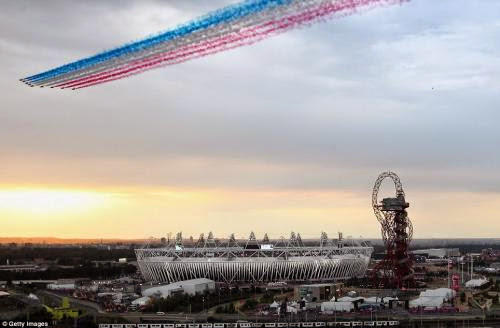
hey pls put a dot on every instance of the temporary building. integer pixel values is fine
(433, 298)
(426, 302)
(374, 300)
(62, 286)
(141, 301)
(330, 307)
(348, 299)
(445, 293)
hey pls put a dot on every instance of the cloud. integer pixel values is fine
(412, 88)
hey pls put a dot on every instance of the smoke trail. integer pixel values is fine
(228, 28)
(210, 33)
(341, 8)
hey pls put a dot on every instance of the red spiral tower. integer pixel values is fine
(396, 269)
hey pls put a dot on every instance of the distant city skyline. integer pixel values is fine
(286, 135)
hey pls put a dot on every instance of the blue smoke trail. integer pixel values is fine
(224, 15)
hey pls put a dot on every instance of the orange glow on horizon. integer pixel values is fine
(50, 201)
(140, 212)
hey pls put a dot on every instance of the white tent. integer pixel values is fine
(274, 305)
(475, 283)
(445, 293)
(141, 301)
(426, 302)
(33, 297)
(373, 300)
(348, 299)
(330, 307)
(433, 298)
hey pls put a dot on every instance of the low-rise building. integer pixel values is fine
(63, 284)
(331, 307)
(438, 252)
(495, 265)
(490, 255)
(190, 287)
(318, 292)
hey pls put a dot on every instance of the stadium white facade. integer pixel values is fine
(228, 261)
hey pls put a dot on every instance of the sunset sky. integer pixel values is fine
(288, 134)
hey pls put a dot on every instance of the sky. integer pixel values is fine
(286, 135)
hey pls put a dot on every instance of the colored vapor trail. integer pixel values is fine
(234, 26)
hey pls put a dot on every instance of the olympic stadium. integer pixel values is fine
(252, 261)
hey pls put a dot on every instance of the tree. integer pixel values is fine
(231, 308)
(267, 298)
(462, 297)
(249, 304)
